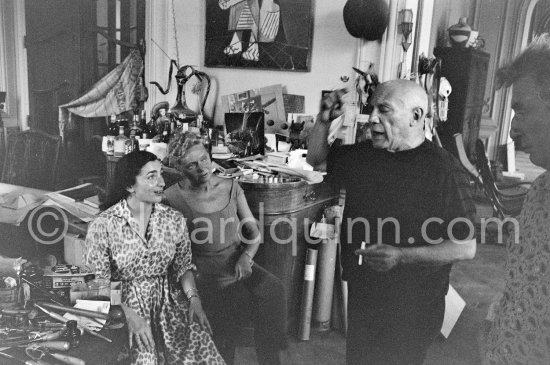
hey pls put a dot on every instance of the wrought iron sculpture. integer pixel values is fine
(180, 110)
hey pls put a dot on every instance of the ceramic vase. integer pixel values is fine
(459, 34)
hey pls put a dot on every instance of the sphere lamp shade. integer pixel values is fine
(367, 19)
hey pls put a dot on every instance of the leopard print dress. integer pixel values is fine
(520, 333)
(149, 267)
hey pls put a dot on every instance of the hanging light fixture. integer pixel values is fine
(405, 26)
(405, 18)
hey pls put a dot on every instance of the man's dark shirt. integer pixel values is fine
(409, 186)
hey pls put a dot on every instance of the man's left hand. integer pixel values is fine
(381, 257)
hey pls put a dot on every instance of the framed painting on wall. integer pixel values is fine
(259, 34)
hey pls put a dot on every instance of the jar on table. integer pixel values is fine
(99, 289)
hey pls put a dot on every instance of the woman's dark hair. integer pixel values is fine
(127, 169)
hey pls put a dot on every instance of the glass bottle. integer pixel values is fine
(71, 333)
(145, 133)
(113, 128)
(123, 122)
(120, 143)
(133, 143)
(206, 140)
(167, 131)
(184, 124)
(135, 128)
(110, 145)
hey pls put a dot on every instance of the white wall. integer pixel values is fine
(333, 55)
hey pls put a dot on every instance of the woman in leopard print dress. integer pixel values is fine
(146, 246)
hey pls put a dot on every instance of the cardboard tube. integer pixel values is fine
(307, 294)
(325, 284)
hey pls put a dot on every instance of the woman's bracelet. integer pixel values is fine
(190, 291)
(195, 295)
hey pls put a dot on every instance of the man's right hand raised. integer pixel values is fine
(332, 105)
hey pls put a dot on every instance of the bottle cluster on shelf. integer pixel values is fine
(124, 137)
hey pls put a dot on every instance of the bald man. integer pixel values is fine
(409, 202)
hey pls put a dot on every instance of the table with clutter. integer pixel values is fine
(36, 301)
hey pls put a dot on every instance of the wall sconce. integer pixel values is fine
(405, 18)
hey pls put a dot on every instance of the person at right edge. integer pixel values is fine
(409, 201)
(520, 331)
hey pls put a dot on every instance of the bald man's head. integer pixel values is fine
(410, 92)
(397, 120)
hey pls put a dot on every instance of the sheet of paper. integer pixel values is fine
(91, 305)
(454, 305)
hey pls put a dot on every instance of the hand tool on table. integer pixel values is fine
(46, 325)
(22, 361)
(63, 319)
(7, 332)
(39, 353)
(51, 345)
(33, 335)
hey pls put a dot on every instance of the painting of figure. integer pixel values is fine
(263, 34)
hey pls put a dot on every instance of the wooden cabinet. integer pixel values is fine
(466, 70)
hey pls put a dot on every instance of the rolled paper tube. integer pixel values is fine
(325, 284)
(307, 294)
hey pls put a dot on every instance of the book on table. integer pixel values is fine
(77, 200)
(93, 201)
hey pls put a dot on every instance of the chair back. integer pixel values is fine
(487, 179)
(31, 159)
(504, 203)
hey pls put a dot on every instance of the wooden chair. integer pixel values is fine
(505, 202)
(31, 159)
